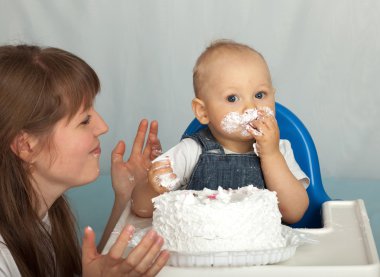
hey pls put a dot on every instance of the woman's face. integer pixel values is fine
(73, 158)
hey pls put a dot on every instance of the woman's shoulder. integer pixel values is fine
(2, 244)
(8, 265)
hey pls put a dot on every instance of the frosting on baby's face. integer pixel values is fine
(235, 122)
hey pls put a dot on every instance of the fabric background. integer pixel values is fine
(323, 55)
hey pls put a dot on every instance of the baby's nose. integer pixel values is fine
(249, 105)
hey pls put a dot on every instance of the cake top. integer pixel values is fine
(211, 197)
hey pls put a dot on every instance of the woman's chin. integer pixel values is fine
(96, 175)
(91, 178)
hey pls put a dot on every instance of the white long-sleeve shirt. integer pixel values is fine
(184, 156)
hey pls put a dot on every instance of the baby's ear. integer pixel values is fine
(200, 111)
(24, 146)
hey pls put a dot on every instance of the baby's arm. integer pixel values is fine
(161, 179)
(292, 196)
(142, 195)
(180, 159)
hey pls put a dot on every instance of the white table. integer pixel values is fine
(346, 248)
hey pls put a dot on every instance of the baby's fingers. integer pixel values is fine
(161, 167)
(255, 128)
(157, 169)
(160, 182)
(162, 164)
(269, 121)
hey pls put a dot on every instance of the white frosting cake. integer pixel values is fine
(224, 220)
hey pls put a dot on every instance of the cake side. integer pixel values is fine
(224, 220)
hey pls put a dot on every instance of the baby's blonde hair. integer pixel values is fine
(215, 48)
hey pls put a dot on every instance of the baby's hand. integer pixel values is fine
(266, 133)
(161, 176)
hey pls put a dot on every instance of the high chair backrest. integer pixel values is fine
(292, 129)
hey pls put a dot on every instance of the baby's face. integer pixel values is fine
(237, 85)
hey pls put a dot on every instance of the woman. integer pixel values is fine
(49, 144)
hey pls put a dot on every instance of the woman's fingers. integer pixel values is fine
(138, 143)
(156, 149)
(145, 259)
(143, 255)
(153, 147)
(158, 264)
(118, 152)
(118, 248)
(151, 255)
(89, 251)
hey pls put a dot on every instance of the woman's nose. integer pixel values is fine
(101, 126)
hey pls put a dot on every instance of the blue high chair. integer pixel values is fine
(292, 129)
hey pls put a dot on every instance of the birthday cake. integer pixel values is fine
(245, 219)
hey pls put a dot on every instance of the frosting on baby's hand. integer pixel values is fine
(167, 180)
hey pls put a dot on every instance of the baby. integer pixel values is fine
(234, 97)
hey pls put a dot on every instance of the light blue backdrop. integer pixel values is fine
(324, 57)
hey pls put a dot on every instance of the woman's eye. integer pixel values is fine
(232, 98)
(86, 121)
(259, 95)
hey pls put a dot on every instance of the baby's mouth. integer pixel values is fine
(236, 122)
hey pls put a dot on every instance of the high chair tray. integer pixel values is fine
(345, 248)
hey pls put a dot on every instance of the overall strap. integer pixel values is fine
(206, 140)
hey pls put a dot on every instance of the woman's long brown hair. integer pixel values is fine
(38, 87)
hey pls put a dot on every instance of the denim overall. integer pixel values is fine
(215, 168)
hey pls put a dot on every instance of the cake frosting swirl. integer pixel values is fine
(245, 219)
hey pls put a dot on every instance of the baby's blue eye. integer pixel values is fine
(259, 95)
(232, 98)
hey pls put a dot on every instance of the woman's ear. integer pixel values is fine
(24, 146)
(200, 110)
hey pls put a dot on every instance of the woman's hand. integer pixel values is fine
(146, 259)
(125, 175)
